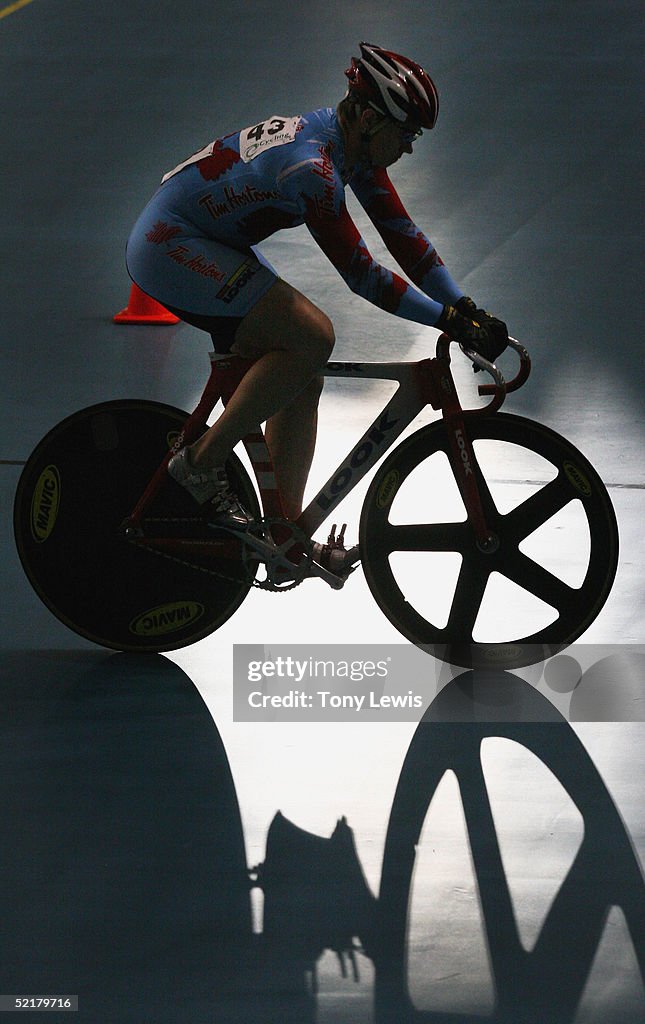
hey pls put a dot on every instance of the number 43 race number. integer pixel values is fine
(274, 131)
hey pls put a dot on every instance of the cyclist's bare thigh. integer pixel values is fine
(283, 319)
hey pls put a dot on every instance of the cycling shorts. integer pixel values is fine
(193, 274)
(222, 329)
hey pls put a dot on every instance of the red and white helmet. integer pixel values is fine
(395, 85)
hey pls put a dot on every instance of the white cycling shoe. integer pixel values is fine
(212, 486)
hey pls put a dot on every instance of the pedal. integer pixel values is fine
(333, 560)
(336, 542)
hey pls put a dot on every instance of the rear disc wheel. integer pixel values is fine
(80, 483)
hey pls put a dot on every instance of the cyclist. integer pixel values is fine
(194, 249)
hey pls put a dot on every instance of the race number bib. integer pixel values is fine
(274, 131)
(200, 155)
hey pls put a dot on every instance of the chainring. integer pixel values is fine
(279, 563)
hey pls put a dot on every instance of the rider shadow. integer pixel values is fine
(547, 982)
(124, 878)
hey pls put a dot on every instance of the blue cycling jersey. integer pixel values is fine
(280, 173)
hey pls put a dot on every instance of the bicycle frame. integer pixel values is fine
(209, 565)
(426, 382)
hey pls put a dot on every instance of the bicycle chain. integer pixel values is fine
(249, 581)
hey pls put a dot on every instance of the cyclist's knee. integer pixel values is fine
(286, 320)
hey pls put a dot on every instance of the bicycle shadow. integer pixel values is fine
(545, 984)
(125, 876)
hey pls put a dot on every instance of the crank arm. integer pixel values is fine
(270, 553)
(334, 581)
(317, 571)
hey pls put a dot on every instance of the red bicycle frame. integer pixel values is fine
(426, 382)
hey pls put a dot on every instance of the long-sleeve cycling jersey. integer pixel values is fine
(281, 173)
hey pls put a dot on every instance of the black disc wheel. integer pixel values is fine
(541, 582)
(77, 488)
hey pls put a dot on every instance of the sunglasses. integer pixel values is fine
(410, 134)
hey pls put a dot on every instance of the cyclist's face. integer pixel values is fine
(390, 142)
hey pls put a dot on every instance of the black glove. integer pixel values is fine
(474, 329)
(496, 329)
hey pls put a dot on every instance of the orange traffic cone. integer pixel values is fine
(141, 309)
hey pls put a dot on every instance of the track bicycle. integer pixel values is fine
(122, 555)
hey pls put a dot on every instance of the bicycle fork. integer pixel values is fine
(466, 472)
(460, 450)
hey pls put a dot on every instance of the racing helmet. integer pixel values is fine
(394, 85)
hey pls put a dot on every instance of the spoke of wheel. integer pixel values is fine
(469, 594)
(497, 906)
(424, 537)
(539, 581)
(488, 503)
(539, 508)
